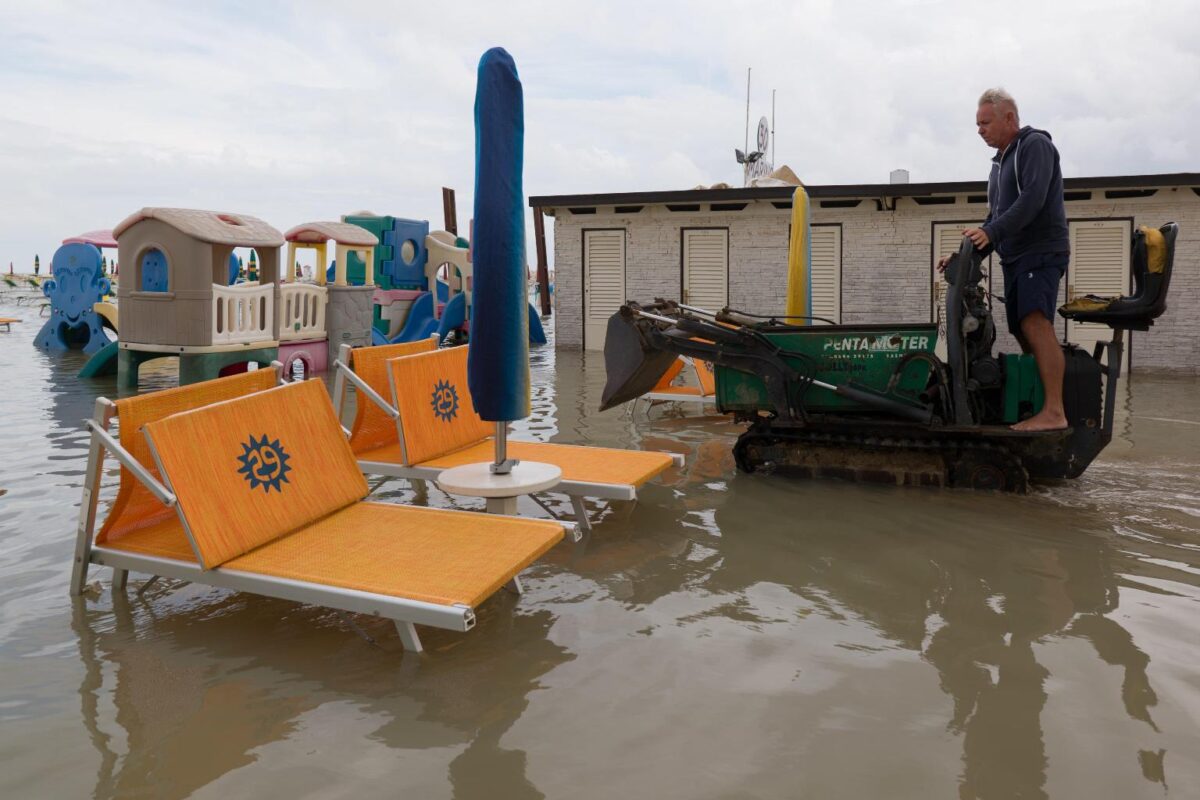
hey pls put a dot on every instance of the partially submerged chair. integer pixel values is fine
(667, 391)
(255, 489)
(435, 427)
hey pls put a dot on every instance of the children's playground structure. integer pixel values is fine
(181, 295)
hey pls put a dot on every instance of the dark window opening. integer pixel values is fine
(977, 198)
(583, 210)
(683, 207)
(839, 203)
(727, 206)
(627, 209)
(782, 203)
(1071, 196)
(935, 201)
(1122, 194)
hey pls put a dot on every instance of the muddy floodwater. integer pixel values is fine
(729, 636)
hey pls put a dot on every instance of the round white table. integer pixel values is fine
(501, 491)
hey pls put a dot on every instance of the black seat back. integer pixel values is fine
(1151, 261)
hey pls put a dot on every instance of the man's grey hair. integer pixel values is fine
(1000, 98)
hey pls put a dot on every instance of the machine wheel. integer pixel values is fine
(989, 469)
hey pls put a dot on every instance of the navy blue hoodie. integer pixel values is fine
(1025, 198)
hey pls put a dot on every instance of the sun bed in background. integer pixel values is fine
(435, 427)
(666, 391)
(259, 492)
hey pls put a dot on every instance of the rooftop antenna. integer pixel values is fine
(773, 162)
(747, 145)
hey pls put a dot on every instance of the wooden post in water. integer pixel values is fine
(449, 211)
(543, 270)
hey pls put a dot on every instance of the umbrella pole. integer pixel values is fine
(502, 464)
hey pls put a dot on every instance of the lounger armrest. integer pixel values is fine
(362, 386)
(162, 493)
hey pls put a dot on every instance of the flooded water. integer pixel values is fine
(729, 636)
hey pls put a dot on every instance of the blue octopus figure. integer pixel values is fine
(77, 285)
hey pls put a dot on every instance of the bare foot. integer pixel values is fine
(1042, 421)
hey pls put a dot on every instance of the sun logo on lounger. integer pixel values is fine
(445, 400)
(264, 463)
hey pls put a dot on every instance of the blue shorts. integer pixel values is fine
(1031, 284)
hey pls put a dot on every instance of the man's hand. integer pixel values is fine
(942, 262)
(978, 236)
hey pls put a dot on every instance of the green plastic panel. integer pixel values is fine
(866, 354)
(1023, 392)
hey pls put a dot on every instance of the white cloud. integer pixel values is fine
(299, 112)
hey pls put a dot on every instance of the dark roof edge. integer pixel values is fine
(863, 190)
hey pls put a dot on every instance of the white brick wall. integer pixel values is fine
(885, 262)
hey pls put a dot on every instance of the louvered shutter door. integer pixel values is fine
(706, 268)
(947, 239)
(827, 272)
(1100, 266)
(604, 283)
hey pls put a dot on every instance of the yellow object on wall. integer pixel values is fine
(799, 289)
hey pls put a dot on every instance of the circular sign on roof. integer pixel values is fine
(764, 134)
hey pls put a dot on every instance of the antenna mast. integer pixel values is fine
(773, 164)
(747, 145)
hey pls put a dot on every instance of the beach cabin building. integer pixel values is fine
(874, 254)
(176, 298)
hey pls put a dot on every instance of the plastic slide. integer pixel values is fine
(453, 316)
(537, 334)
(418, 325)
(102, 362)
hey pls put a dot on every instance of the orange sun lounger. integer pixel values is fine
(434, 427)
(665, 391)
(245, 485)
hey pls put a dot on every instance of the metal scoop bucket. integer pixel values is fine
(633, 365)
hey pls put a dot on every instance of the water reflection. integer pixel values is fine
(194, 699)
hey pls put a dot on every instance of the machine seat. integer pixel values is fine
(1151, 261)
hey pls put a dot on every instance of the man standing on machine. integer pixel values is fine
(1027, 226)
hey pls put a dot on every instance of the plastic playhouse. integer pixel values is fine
(181, 297)
(302, 331)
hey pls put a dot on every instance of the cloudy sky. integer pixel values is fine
(302, 111)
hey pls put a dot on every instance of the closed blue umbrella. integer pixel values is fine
(498, 360)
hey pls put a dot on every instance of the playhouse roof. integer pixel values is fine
(238, 230)
(100, 238)
(340, 232)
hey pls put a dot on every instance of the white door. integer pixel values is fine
(603, 283)
(826, 248)
(706, 268)
(1099, 265)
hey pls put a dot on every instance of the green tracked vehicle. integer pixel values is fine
(876, 403)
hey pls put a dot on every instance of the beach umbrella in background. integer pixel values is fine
(37, 264)
(498, 358)
(799, 288)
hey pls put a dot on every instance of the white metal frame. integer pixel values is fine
(575, 490)
(405, 613)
